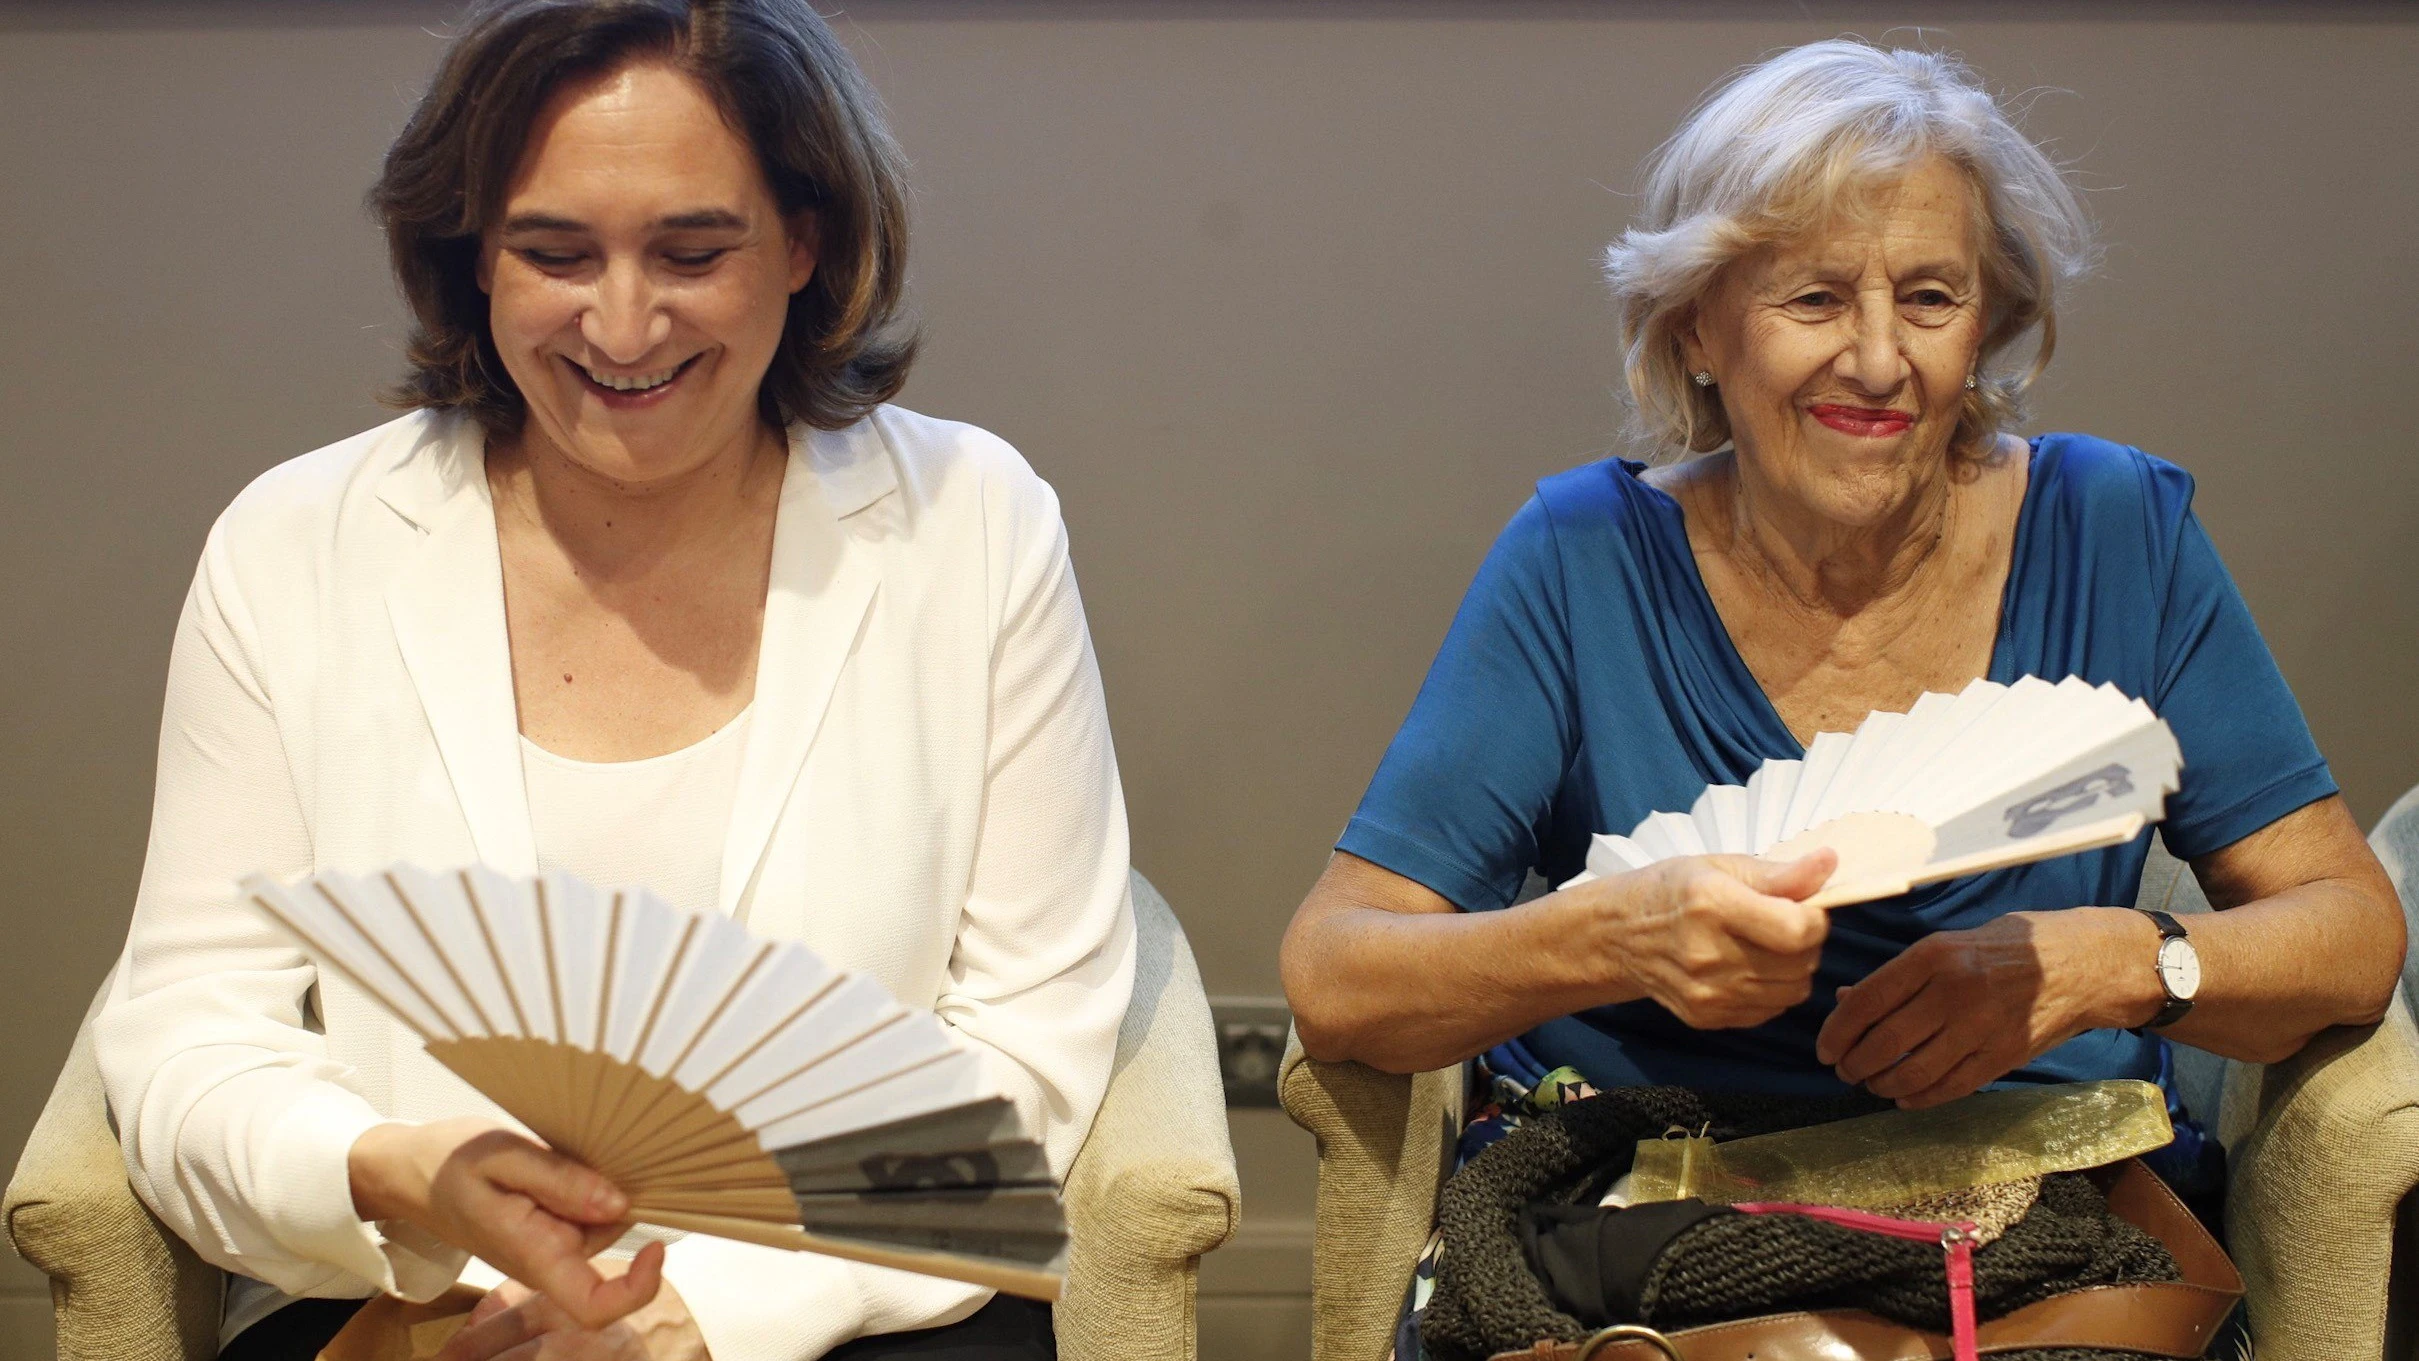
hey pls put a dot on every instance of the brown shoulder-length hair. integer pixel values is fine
(780, 78)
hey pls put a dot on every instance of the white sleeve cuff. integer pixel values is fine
(308, 1204)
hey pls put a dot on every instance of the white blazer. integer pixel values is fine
(928, 795)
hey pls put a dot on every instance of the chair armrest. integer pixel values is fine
(123, 1288)
(1384, 1141)
(2325, 1147)
(1155, 1184)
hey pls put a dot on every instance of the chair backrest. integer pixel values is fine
(2396, 842)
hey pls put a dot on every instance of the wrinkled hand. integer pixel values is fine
(529, 1211)
(1719, 940)
(515, 1324)
(1958, 1010)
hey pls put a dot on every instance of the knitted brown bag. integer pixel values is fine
(2101, 1265)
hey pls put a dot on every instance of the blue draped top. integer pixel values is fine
(1587, 682)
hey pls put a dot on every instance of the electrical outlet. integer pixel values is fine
(1251, 1041)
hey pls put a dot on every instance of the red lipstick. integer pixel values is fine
(1870, 422)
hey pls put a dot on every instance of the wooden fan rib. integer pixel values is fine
(1034, 1283)
(661, 994)
(771, 1204)
(495, 952)
(943, 1080)
(594, 1123)
(445, 959)
(646, 1138)
(704, 1148)
(685, 1126)
(649, 1092)
(388, 959)
(546, 944)
(314, 942)
(557, 1071)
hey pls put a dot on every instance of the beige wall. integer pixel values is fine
(1290, 301)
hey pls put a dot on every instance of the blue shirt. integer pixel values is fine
(1587, 682)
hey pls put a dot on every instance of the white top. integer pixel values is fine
(926, 794)
(657, 823)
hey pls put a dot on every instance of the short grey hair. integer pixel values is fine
(1777, 151)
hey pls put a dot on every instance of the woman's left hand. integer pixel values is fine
(515, 1323)
(1959, 1010)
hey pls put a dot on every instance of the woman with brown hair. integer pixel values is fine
(651, 586)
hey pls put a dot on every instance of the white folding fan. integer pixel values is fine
(1992, 776)
(728, 1084)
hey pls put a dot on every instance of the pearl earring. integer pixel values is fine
(1705, 379)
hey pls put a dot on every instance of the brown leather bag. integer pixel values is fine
(2168, 1318)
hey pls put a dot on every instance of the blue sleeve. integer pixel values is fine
(1462, 798)
(2248, 755)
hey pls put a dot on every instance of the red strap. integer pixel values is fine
(1956, 1240)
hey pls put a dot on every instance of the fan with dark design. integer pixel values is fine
(1992, 776)
(729, 1084)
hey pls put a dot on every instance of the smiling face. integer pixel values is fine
(639, 276)
(1841, 360)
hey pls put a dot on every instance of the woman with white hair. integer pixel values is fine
(1843, 279)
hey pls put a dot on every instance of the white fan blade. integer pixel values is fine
(1720, 816)
(509, 920)
(952, 1079)
(581, 929)
(790, 981)
(2131, 774)
(1952, 767)
(1915, 759)
(912, 1152)
(398, 936)
(1851, 782)
(458, 936)
(1665, 835)
(649, 938)
(2075, 718)
(1768, 792)
(332, 933)
(1609, 855)
(1814, 775)
(720, 951)
(836, 1019)
(910, 1040)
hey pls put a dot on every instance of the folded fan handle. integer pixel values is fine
(1033, 1283)
(2090, 836)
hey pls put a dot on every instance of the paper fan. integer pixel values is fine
(729, 1084)
(1992, 776)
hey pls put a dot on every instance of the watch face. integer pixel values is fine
(2179, 969)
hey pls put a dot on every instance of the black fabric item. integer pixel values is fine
(1598, 1264)
(1488, 1299)
(1006, 1329)
(296, 1332)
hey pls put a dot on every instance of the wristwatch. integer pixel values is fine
(2179, 969)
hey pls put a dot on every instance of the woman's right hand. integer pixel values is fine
(521, 1207)
(1721, 941)
(1386, 971)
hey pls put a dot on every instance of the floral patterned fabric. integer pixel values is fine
(1510, 1087)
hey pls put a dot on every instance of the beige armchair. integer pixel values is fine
(2320, 1215)
(1153, 1189)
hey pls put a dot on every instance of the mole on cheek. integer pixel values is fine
(566, 678)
